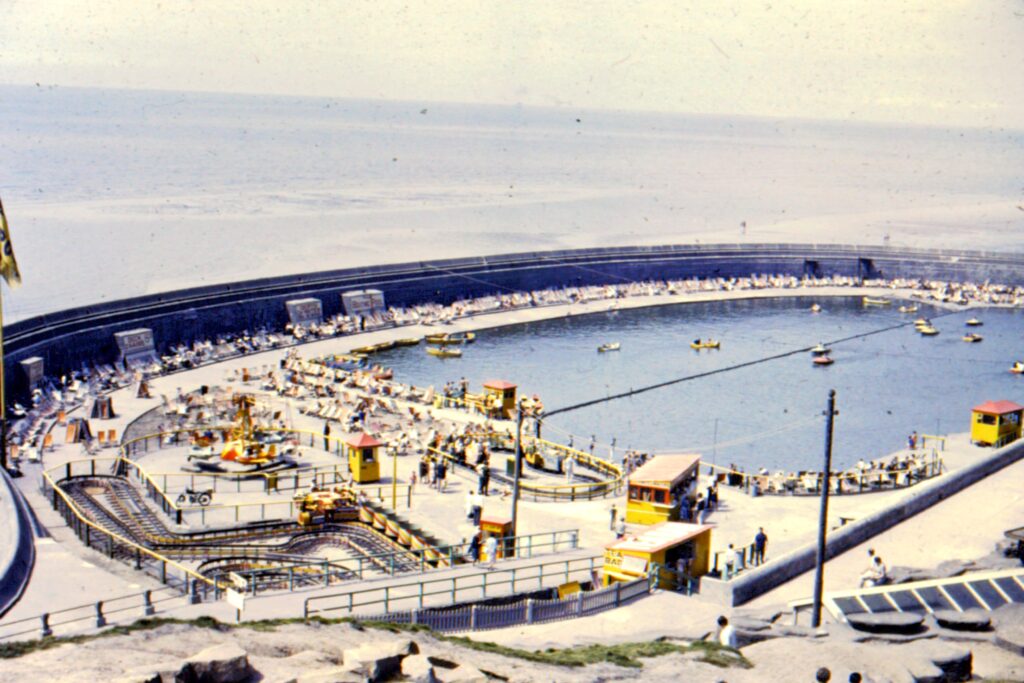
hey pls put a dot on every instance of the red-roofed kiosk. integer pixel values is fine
(500, 397)
(657, 488)
(996, 423)
(363, 461)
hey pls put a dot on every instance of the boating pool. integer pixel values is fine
(888, 384)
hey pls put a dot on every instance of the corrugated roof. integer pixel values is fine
(667, 468)
(659, 537)
(997, 407)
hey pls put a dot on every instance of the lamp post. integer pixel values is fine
(518, 467)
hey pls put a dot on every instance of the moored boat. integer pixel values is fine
(408, 341)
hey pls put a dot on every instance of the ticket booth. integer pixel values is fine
(657, 489)
(363, 453)
(996, 423)
(659, 547)
(500, 527)
(500, 397)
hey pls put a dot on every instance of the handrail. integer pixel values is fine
(73, 508)
(566, 564)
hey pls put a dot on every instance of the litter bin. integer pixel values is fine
(510, 466)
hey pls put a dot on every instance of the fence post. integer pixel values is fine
(327, 577)
(163, 572)
(472, 617)
(529, 610)
(291, 579)
(579, 604)
(414, 618)
(45, 631)
(101, 621)
(193, 597)
(148, 608)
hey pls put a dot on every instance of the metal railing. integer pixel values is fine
(481, 617)
(473, 585)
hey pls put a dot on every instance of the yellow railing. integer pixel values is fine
(83, 519)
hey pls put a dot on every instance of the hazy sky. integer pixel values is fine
(933, 61)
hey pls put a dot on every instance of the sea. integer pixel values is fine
(115, 193)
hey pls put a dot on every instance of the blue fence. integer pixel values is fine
(482, 617)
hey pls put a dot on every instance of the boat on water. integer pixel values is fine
(913, 308)
(922, 321)
(442, 352)
(612, 346)
(698, 344)
(972, 338)
(364, 350)
(820, 350)
(927, 330)
(815, 308)
(451, 338)
(823, 360)
(408, 341)
(1017, 368)
(973, 322)
(870, 301)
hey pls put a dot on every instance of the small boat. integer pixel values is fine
(612, 346)
(815, 308)
(364, 350)
(913, 308)
(451, 338)
(927, 330)
(869, 301)
(974, 322)
(444, 352)
(823, 360)
(408, 341)
(820, 350)
(698, 344)
(972, 338)
(383, 346)
(1017, 368)
(922, 321)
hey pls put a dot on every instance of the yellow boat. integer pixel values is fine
(364, 350)
(384, 346)
(921, 321)
(444, 353)
(974, 322)
(928, 331)
(972, 338)
(909, 309)
(705, 344)
(868, 301)
(1018, 368)
(455, 338)
(408, 341)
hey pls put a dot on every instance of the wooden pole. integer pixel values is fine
(819, 570)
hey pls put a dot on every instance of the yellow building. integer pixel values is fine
(663, 546)
(657, 489)
(363, 451)
(996, 423)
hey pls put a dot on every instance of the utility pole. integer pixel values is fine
(394, 480)
(819, 570)
(519, 467)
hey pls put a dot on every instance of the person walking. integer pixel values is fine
(620, 528)
(327, 434)
(760, 543)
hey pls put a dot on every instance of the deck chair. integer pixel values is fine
(112, 438)
(48, 442)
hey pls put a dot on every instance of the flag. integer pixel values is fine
(8, 264)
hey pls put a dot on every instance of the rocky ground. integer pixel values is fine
(346, 652)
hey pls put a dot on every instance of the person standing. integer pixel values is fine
(760, 543)
(327, 435)
(611, 518)
(620, 528)
(474, 548)
(491, 548)
(727, 634)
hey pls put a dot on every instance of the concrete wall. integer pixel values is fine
(68, 339)
(755, 582)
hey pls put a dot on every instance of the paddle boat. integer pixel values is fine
(823, 360)
(815, 308)
(972, 338)
(612, 346)
(1017, 368)
(820, 350)
(973, 322)
(927, 330)
(443, 352)
(698, 344)
(869, 301)
(913, 308)
(922, 321)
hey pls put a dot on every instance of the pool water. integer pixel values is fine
(768, 414)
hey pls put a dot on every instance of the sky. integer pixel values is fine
(942, 62)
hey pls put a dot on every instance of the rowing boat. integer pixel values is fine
(973, 322)
(444, 352)
(823, 360)
(705, 344)
(868, 301)
(612, 346)
(972, 338)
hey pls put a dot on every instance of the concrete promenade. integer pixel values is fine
(789, 521)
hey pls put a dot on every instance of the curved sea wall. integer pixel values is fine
(67, 339)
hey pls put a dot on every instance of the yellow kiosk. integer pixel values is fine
(362, 451)
(500, 527)
(500, 397)
(996, 423)
(657, 488)
(664, 545)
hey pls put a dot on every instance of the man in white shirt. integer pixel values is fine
(727, 634)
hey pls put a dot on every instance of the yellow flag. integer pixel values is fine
(8, 264)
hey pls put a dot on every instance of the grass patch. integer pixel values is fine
(627, 655)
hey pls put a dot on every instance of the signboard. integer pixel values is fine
(634, 565)
(33, 369)
(236, 599)
(363, 302)
(305, 311)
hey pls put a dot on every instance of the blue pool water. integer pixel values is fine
(887, 384)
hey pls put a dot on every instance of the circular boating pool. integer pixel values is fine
(889, 382)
